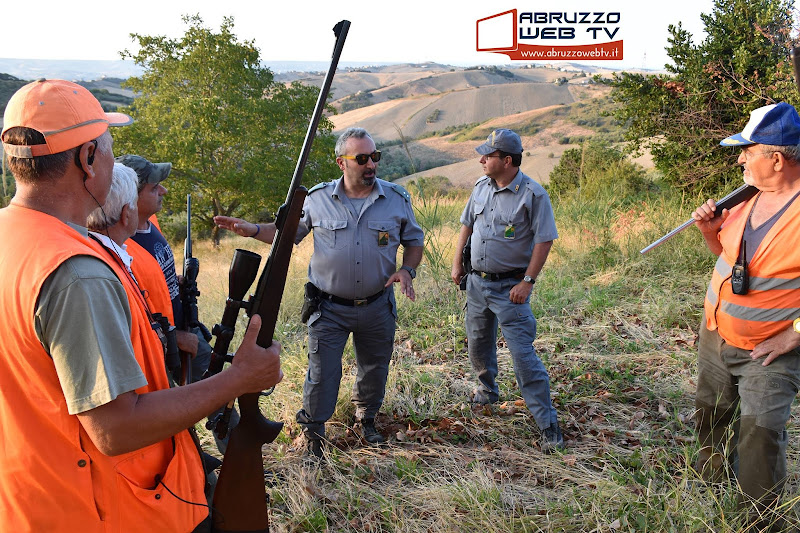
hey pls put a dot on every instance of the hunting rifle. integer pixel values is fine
(189, 294)
(743, 193)
(240, 502)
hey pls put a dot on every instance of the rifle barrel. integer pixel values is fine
(340, 30)
(274, 273)
(187, 247)
(794, 56)
(742, 194)
(240, 503)
(668, 236)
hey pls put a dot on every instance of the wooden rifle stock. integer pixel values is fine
(240, 499)
(743, 193)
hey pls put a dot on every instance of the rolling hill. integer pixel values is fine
(443, 112)
(418, 115)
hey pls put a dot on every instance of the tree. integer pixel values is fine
(742, 64)
(232, 133)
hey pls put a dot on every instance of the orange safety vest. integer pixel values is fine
(151, 280)
(52, 477)
(773, 298)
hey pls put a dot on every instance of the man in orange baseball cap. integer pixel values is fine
(95, 439)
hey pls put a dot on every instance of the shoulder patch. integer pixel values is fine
(535, 187)
(481, 180)
(399, 190)
(319, 186)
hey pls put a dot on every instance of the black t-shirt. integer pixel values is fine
(154, 242)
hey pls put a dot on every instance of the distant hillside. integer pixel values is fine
(435, 84)
(399, 81)
(442, 111)
(73, 70)
(8, 86)
(107, 91)
(546, 133)
(352, 82)
(417, 116)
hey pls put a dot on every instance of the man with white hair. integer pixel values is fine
(749, 339)
(116, 221)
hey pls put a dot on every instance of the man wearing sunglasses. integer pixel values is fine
(509, 222)
(358, 222)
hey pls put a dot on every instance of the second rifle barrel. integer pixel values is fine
(742, 194)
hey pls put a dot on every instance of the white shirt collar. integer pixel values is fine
(121, 251)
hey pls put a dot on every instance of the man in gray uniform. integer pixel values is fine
(358, 221)
(510, 224)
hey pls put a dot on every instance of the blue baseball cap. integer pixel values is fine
(504, 140)
(775, 124)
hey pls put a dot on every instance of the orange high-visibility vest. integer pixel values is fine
(52, 477)
(154, 221)
(773, 299)
(151, 280)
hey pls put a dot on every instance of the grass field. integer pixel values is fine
(616, 331)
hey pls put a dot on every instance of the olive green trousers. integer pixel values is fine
(742, 410)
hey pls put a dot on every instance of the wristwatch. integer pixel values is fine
(410, 271)
(797, 325)
(528, 279)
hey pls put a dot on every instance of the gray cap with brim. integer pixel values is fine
(146, 171)
(504, 140)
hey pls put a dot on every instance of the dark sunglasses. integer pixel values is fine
(361, 159)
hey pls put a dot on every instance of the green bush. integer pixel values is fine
(596, 168)
(432, 186)
(355, 101)
(433, 117)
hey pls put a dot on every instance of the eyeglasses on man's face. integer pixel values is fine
(361, 159)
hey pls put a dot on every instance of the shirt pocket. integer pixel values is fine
(511, 224)
(331, 233)
(385, 234)
(477, 209)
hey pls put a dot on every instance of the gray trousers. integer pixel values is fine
(735, 392)
(488, 305)
(373, 327)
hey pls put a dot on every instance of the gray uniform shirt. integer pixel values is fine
(507, 222)
(83, 320)
(355, 253)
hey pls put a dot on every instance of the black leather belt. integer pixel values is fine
(352, 303)
(518, 273)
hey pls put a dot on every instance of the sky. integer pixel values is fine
(398, 31)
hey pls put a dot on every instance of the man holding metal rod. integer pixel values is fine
(748, 357)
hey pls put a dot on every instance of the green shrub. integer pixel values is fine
(355, 101)
(596, 168)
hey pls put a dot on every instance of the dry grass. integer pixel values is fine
(616, 332)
